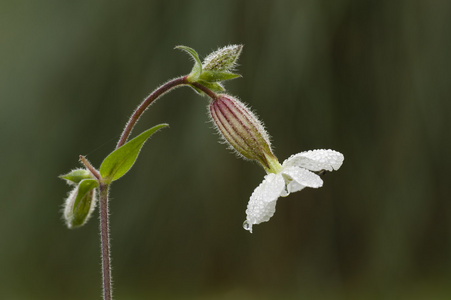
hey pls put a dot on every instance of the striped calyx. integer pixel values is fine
(243, 131)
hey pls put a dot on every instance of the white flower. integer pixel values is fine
(296, 173)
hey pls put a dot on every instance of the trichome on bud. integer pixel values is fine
(243, 131)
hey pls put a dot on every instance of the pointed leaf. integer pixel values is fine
(197, 69)
(122, 159)
(213, 86)
(215, 76)
(77, 175)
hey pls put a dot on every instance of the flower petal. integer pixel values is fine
(298, 178)
(262, 204)
(316, 160)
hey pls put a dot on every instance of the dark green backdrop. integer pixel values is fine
(370, 79)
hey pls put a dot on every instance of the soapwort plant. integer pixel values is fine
(236, 124)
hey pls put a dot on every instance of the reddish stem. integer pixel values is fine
(145, 104)
(90, 167)
(105, 242)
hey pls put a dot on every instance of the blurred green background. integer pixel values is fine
(370, 79)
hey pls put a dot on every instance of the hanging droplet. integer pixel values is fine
(247, 226)
(285, 192)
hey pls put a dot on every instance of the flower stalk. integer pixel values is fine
(160, 91)
(105, 242)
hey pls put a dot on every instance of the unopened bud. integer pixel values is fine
(243, 131)
(80, 203)
(223, 59)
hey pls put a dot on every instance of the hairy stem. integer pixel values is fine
(154, 96)
(88, 165)
(105, 242)
(145, 104)
(104, 230)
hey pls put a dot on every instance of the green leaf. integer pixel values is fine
(122, 159)
(215, 76)
(79, 210)
(197, 69)
(77, 175)
(197, 90)
(213, 86)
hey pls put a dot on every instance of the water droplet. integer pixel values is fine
(246, 226)
(286, 191)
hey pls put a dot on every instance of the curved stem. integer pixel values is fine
(104, 229)
(105, 242)
(145, 104)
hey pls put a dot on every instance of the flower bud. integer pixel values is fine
(80, 203)
(243, 131)
(223, 59)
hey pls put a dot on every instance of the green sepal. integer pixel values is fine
(118, 162)
(197, 68)
(212, 86)
(77, 175)
(216, 76)
(77, 215)
(197, 90)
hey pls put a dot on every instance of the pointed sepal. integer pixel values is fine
(217, 76)
(197, 68)
(215, 87)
